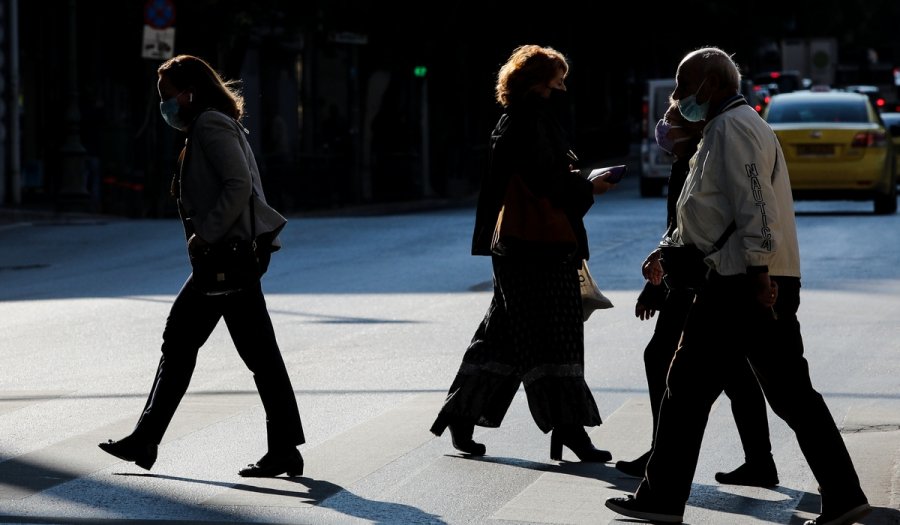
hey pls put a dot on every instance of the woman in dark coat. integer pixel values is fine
(533, 331)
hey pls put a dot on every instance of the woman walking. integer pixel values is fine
(217, 178)
(533, 331)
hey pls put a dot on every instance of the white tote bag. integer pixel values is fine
(591, 296)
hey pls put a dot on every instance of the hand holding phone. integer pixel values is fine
(611, 174)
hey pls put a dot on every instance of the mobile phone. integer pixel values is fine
(611, 174)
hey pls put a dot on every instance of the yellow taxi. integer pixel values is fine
(836, 147)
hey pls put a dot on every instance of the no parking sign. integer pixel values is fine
(159, 33)
(159, 14)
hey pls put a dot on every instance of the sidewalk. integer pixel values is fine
(46, 213)
(12, 216)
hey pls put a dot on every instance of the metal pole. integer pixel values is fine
(73, 194)
(15, 158)
(427, 190)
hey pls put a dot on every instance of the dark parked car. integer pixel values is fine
(892, 123)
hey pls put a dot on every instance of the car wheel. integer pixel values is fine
(886, 204)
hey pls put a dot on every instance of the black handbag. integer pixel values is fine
(229, 266)
(683, 265)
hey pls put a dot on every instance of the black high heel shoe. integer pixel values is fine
(461, 436)
(576, 439)
(130, 449)
(274, 464)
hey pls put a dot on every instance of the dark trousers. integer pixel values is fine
(724, 321)
(191, 320)
(748, 405)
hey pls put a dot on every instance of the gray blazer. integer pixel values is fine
(218, 176)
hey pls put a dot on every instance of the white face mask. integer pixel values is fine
(691, 110)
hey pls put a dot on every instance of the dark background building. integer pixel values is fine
(353, 102)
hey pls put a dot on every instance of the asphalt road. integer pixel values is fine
(373, 313)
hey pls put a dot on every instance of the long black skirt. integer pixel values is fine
(531, 335)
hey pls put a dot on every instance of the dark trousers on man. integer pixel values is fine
(191, 320)
(748, 405)
(726, 320)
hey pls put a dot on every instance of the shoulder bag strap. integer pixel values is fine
(727, 233)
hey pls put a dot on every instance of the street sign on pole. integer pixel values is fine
(159, 33)
(159, 44)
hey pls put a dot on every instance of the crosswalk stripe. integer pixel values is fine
(869, 432)
(572, 493)
(347, 457)
(10, 401)
(78, 456)
(557, 497)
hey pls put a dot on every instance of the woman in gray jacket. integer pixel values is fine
(217, 178)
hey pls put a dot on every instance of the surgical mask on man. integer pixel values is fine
(665, 142)
(691, 110)
(169, 109)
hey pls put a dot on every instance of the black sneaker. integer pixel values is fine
(631, 507)
(848, 517)
(750, 475)
(636, 467)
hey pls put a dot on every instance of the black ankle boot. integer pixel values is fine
(636, 467)
(132, 449)
(461, 436)
(576, 439)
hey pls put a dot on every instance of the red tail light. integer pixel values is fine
(869, 139)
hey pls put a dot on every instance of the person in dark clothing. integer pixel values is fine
(533, 331)
(217, 178)
(680, 138)
(747, 306)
